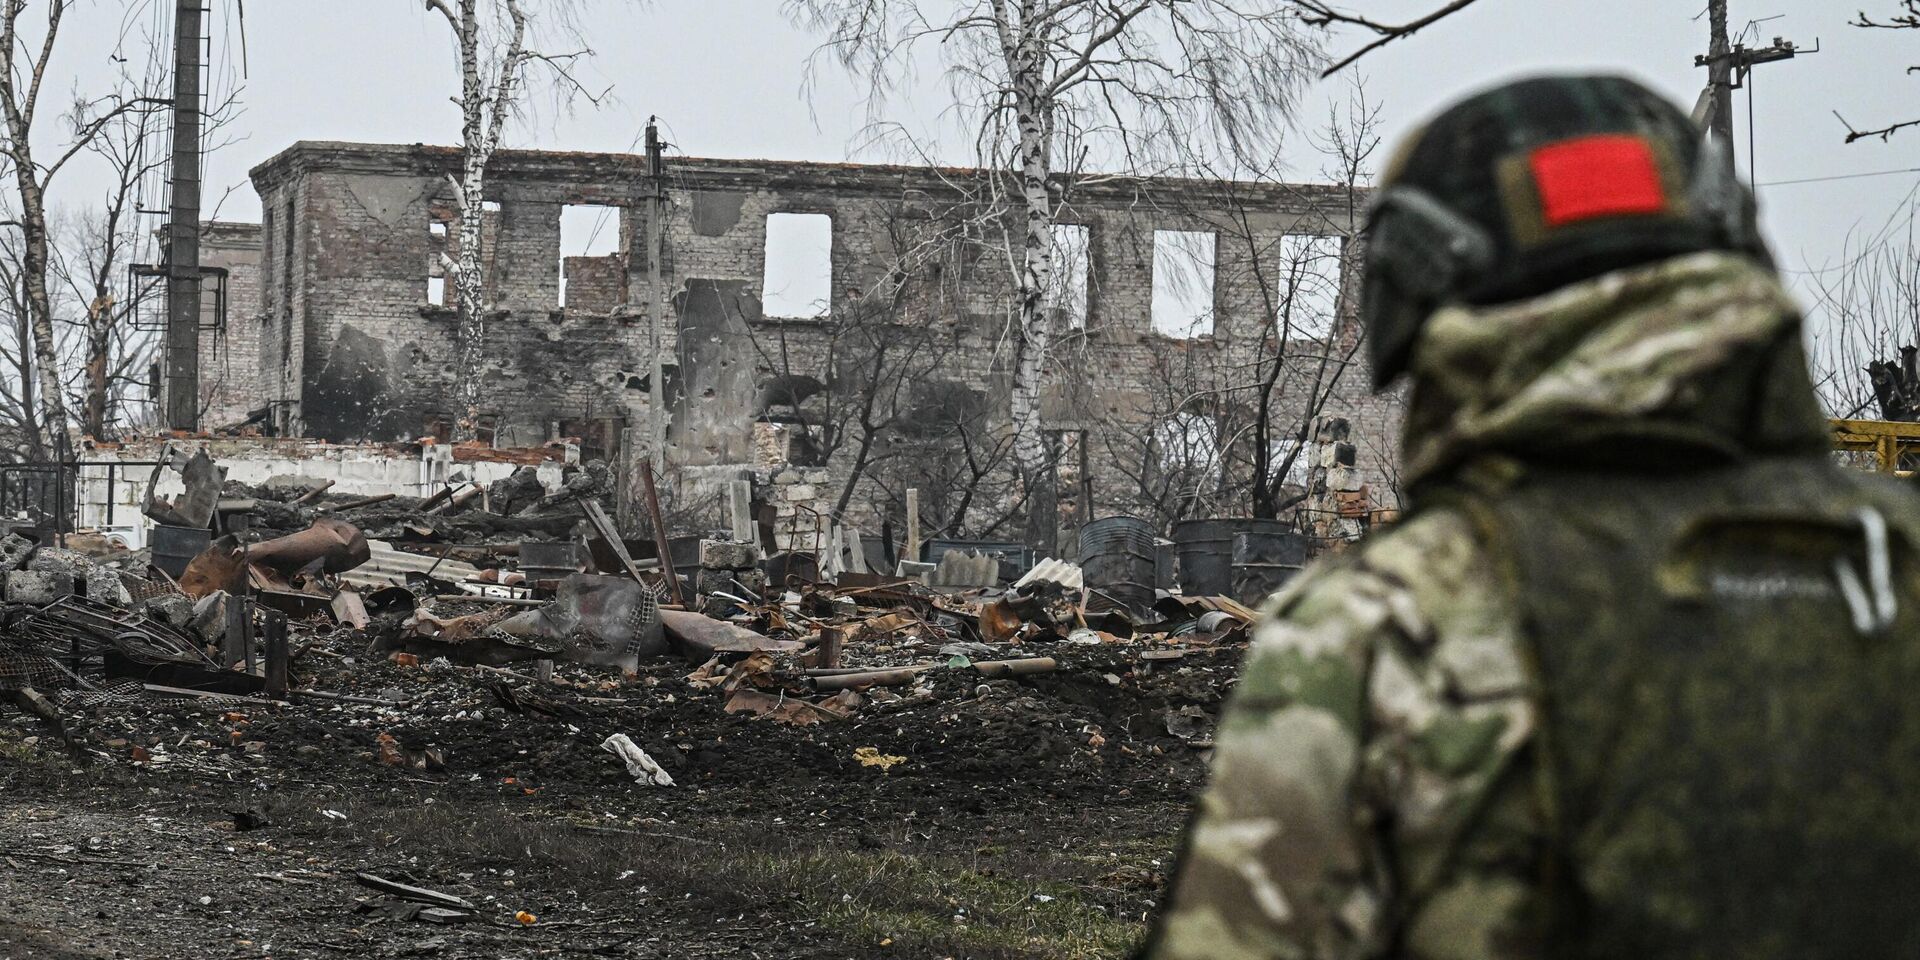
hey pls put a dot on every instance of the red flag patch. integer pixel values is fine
(1610, 175)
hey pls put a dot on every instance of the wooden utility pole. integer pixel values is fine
(656, 232)
(1729, 65)
(183, 224)
(1719, 118)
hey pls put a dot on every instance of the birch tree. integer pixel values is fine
(97, 299)
(24, 60)
(1047, 84)
(491, 43)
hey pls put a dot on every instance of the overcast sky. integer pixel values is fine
(726, 78)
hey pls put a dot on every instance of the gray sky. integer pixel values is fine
(726, 78)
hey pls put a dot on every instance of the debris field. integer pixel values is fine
(384, 726)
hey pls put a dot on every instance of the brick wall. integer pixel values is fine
(231, 364)
(354, 351)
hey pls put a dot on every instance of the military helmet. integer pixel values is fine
(1536, 184)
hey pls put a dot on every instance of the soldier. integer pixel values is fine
(1637, 676)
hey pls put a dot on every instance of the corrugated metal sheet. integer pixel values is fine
(1057, 571)
(388, 566)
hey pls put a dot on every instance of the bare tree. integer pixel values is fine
(1320, 14)
(24, 61)
(1225, 425)
(19, 395)
(493, 51)
(1047, 82)
(91, 260)
(1907, 17)
(1866, 309)
(879, 354)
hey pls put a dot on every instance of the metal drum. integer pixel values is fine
(1208, 557)
(175, 547)
(1264, 560)
(1117, 558)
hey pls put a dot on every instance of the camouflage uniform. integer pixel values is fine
(1378, 783)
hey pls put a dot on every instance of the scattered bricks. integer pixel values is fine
(1353, 503)
(13, 551)
(800, 491)
(37, 586)
(728, 555)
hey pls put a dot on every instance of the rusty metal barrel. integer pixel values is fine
(175, 547)
(1239, 557)
(1264, 560)
(1117, 559)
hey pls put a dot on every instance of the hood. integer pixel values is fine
(1682, 363)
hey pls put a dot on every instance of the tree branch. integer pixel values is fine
(1318, 14)
(1883, 133)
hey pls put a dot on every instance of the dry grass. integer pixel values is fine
(998, 902)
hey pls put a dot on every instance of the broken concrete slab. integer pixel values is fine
(37, 586)
(13, 551)
(728, 555)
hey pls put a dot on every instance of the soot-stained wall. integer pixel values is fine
(354, 343)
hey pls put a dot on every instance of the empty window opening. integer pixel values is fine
(1188, 445)
(1309, 287)
(798, 279)
(1072, 266)
(592, 257)
(441, 248)
(1183, 263)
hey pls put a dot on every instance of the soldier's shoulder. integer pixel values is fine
(1434, 565)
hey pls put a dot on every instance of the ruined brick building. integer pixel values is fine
(350, 334)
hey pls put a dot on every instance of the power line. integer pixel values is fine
(1843, 176)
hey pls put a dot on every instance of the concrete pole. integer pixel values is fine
(183, 224)
(913, 524)
(656, 232)
(739, 502)
(1720, 75)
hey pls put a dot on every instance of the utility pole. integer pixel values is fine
(656, 233)
(1719, 93)
(1729, 66)
(183, 224)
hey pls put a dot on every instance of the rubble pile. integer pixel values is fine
(536, 656)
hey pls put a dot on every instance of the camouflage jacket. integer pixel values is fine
(1365, 799)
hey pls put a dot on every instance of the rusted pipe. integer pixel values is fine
(362, 502)
(314, 494)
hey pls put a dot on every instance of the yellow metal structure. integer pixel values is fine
(1887, 440)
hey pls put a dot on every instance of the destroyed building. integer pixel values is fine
(351, 337)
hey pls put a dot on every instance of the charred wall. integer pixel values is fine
(355, 343)
(230, 321)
